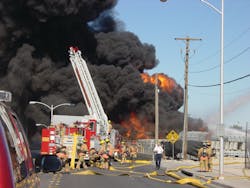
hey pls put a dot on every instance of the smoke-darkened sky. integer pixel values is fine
(35, 37)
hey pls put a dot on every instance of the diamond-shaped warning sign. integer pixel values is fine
(172, 136)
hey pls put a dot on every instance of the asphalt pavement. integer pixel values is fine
(140, 175)
(173, 173)
(188, 171)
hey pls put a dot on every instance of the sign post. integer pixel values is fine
(172, 137)
(172, 151)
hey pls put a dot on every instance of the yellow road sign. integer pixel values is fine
(172, 136)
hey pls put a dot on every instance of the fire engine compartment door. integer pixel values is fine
(48, 141)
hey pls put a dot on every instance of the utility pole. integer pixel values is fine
(156, 109)
(185, 124)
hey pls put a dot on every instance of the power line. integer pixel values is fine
(213, 85)
(238, 37)
(226, 62)
(227, 45)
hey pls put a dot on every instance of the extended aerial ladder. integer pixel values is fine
(89, 92)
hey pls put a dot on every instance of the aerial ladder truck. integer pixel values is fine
(92, 100)
(70, 131)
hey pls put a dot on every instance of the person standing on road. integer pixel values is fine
(210, 156)
(62, 154)
(124, 152)
(133, 150)
(82, 152)
(104, 158)
(203, 157)
(158, 150)
(109, 151)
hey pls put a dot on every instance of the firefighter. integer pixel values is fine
(93, 157)
(62, 154)
(82, 152)
(210, 156)
(109, 147)
(109, 151)
(62, 129)
(103, 155)
(124, 152)
(203, 157)
(98, 160)
(133, 150)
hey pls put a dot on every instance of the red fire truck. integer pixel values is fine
(70, 131)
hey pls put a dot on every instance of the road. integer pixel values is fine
(120, 176)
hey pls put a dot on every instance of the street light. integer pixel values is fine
(221, 12)
(42, 125)
(52, 107)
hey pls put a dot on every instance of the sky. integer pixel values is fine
(159, 23)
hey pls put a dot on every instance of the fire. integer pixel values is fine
(164, 82)
(134, 127)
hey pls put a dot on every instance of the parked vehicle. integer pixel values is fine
(16, 165)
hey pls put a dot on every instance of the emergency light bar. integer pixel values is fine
(5, 96)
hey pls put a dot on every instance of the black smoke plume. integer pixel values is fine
(35, 36)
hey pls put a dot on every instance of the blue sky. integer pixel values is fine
(160, 23)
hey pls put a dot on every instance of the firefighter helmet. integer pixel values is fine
(107, 140)
(102, 142)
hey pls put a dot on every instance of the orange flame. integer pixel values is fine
(164, 82)
(134, 127)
